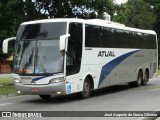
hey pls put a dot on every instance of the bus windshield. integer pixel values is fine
(36, 53)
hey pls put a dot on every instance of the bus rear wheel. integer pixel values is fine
(139, 80)
(146, 78)
(86, 89)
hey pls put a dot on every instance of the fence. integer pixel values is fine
(5, 67)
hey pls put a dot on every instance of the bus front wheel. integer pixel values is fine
(86, 89)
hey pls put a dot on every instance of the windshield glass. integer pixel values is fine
(45, 58)
(52, 30)
(34, 55)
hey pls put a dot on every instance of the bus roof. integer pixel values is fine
(54, 20)
(116, 25)
(97, 22)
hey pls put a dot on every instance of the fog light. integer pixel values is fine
(17, 80)
(58, 93)
(19, 92)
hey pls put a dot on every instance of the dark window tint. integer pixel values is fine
(42, 31)
(92, 36)
(150, 41)
(97, 36)
(108, 38)
(139, 40)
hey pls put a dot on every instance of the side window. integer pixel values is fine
(108, 39)
(126, 39)
(92, 36)
(139, 40)
(130, 39)
(74, 51)
(119, 38)
(152, 41)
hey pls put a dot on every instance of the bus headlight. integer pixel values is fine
(56, 80)
(17, 80)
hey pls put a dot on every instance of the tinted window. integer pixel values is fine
(150, 42)
(139, 40)
(92, 36)
(42, 31)
(97, 36)
(108, 38)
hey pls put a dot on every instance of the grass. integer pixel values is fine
(158, 72)
(6, 86)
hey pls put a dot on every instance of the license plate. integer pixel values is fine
(35, 89)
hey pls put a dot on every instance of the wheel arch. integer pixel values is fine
(90, 77)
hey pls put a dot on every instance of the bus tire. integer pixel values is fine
(146, 78)
(139, 80)
(45, 97)
(86, 89)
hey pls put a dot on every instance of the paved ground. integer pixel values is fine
(117, 98)
(5, 74)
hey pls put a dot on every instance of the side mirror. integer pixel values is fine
(5, 44)
(62, 42)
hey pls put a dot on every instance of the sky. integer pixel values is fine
(120, 1)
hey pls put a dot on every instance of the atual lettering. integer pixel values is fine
(106, 54)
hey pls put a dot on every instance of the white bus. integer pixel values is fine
(64, 56)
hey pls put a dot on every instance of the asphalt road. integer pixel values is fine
(117, 98)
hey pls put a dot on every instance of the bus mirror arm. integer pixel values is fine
(63, 42)
(5, 44)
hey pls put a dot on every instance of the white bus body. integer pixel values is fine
(77, 56)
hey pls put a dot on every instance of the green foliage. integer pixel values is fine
(74, 8)
(158, 72)
(6, 86)
(156, 7)
(18, 11)
(136, 13)
(9, 21)
(6, 80)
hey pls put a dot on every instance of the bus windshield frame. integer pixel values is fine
(37, 49)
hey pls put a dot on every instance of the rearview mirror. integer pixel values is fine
(5, 44)
(62, 42)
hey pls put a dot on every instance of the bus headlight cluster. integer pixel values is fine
(17, 80)
(56, 80)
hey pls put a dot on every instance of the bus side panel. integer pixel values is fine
(127, 70)
(94, 65)
(116, 66)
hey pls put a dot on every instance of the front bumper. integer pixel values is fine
(50, 89)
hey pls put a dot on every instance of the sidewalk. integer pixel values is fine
(6, 74)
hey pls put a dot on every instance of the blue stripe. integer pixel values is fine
(36, 79)
(107, 68)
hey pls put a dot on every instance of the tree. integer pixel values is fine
(18, 11)
(156, 7)
(136, 13)
(74, 8)
(9, 20)
(11, 16)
